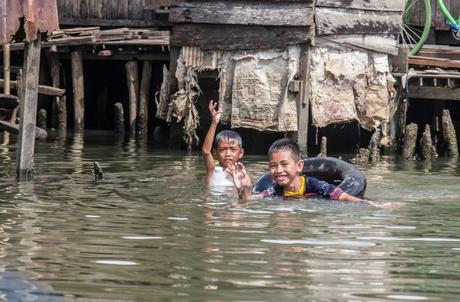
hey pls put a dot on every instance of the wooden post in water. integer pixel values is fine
(26, 139)
(323, 149)
(144, 96)
(59, 102)
(119, 119)
(78, 90)
(409, 141)
(450, 135)
(133, 89)
(42, 120)
(427, 144)
(303, 103)
(6, 68)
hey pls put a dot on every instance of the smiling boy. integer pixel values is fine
(286, 165)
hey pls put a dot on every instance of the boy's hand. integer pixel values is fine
(241, 179)
(215, 114)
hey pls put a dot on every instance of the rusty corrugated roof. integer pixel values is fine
(40, 15)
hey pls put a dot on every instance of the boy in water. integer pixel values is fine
(286, 165)
(228, 149)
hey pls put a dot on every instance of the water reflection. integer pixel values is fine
(149, 231)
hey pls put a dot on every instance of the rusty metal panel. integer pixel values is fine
(40, 15)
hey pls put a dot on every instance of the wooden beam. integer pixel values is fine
(112, 22)
(238, 36)
(14, 128)
(78, 90)
(59, 104)
(376, 5)
(330, 21)
(8, 101)
(434, 93)
(42, 89)
(26, 140)
(133, 90)
(242, 13)
(434, 62)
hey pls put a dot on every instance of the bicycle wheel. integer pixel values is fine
(414, 33)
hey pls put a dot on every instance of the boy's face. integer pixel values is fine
(228, 151)
(283, 168)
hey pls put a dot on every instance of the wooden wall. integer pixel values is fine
(439, 21)
(234, 24)
(117, 13)
(339, 17)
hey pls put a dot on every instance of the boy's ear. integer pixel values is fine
(300, 164)
(241, 153)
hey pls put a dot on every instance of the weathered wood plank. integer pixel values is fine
(243, 13)
(132, 78)
(434, 93)
(378, 5)
(116, 22)
(341, 21)
(361, 42)
(8, 101)
(14, 128)
(154, 4)
(434, 62)
(237, 36)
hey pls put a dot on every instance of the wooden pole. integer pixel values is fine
(427, 144)
(55, 73)
(409, 141)
(119, 118)
(62, 113)
(6, 68)
(303, 103)
(449, 133)
(42, 120)
(26, 139)
(144, 96)
(78, 90)
(133, 89)
(323, 149)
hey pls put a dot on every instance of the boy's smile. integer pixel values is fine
(228, 151)
(285, 170)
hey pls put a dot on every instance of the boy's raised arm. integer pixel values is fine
(207, 145)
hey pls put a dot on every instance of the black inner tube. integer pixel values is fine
(332, 170)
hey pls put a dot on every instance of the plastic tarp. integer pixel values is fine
(349, 85)
(254, 89)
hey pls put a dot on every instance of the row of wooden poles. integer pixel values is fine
(428, 144)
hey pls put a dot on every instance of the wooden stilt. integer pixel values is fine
(374, 145)
(427, 144)
(144, 96)
(119, 119)
(449, 133)
(55, 73)
(42, 120)
(78, 90)
(409, 141)
(6, 68)
(62, 113)
(133, 89)
(26, 140)
(323, 146)
(303, 103)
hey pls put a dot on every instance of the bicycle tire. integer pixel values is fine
(411, 37)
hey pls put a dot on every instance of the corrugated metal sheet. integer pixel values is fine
(40, 15)
(196, 57)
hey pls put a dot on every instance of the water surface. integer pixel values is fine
(150, 231)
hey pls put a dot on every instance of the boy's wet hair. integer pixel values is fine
(227, 135)
(285, 144)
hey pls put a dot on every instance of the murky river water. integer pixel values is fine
(150, 232)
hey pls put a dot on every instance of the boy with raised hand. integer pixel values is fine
(227, 149)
